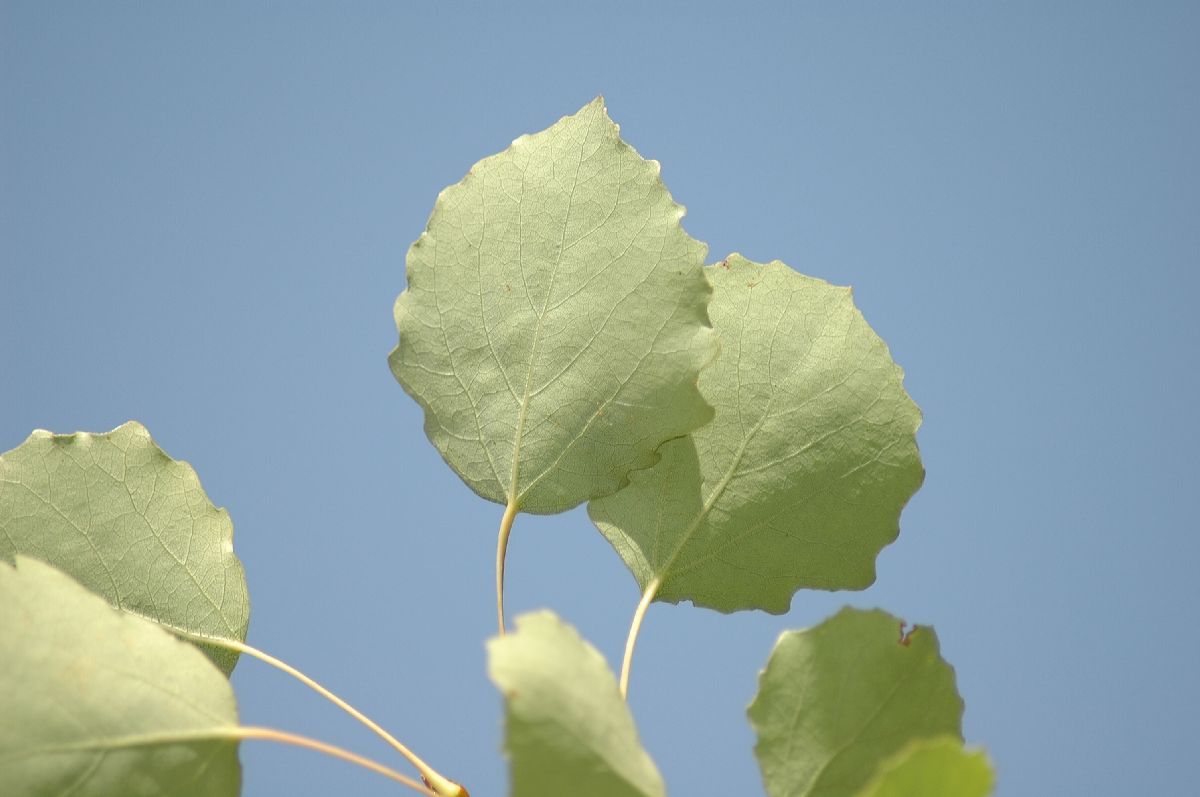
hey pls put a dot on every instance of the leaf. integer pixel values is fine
(933, 768)
(98, 703)
(567, 729)
(129, 523)
(800, 479)
(554, 322)
(837, 700)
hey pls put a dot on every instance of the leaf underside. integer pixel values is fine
(933, 768)
(800, 479)
(567, 729)
(129, 523)
(98, 703)
(837, 700)
(555, 322)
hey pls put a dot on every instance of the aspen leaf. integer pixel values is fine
(799, 480)
(129, 523)
(837, 700)
(98, 703)
(567, 729)
(554, 322)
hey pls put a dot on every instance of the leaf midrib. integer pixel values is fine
(856, 735)
(732, 470)
(523, 412)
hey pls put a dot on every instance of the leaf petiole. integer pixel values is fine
(283, 737)
(506, 522)
(635, 627)
(441, 785)
(234, 733)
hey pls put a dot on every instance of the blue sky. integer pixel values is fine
(203, 217)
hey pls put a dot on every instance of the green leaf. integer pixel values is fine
(837, 700)
(934, 768)
(554, 322)
(129, 523)
(567, 729)
(800, 479)
(98, 703)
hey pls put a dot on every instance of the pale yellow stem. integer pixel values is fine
(631, 641)
(236, 733)
(506, 522)
(283, 737)
(443, 786)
